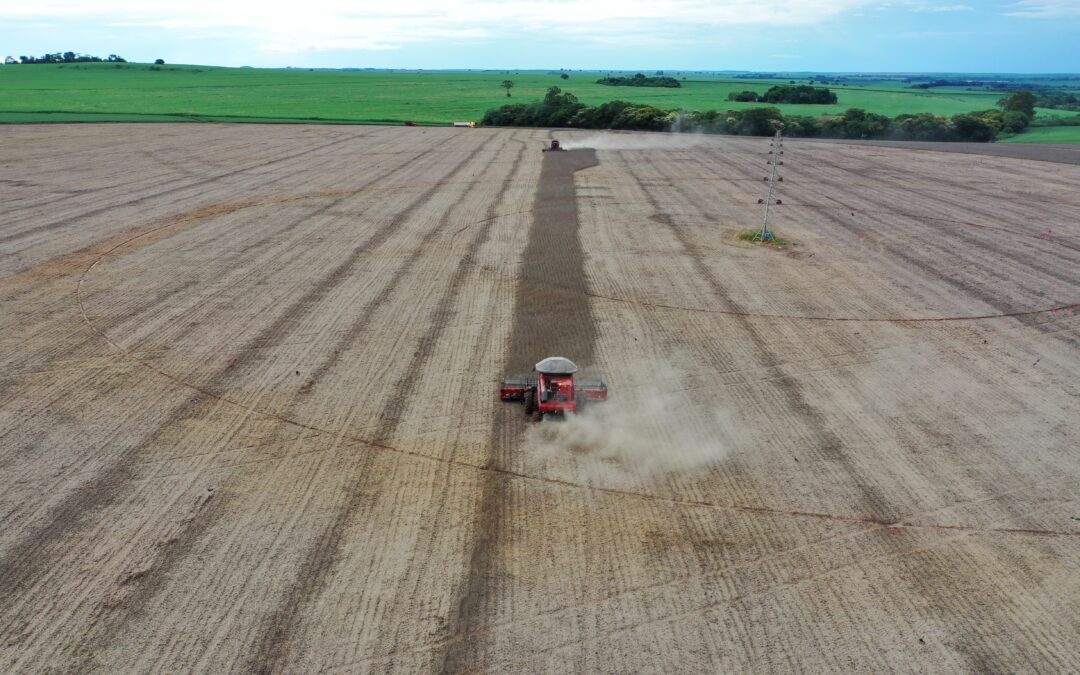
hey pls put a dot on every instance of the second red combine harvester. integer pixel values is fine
(552, 390)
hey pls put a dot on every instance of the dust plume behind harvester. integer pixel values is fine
(552, 389)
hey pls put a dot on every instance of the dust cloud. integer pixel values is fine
(641, 434)
(638, 141)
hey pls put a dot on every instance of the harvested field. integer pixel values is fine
(250, 419)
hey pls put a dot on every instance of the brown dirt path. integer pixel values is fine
(552, 317)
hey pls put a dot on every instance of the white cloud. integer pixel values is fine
(325, 25)
(923, 6)
(1045, 9)
(947, 8)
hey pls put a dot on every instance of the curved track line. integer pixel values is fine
(798, 317)
(512, 474)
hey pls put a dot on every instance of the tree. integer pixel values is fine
(921, 127)
(761, 121)
(785, 93)
(565, 76)
(971, 127)
(1019, 101)
(159, 62)
(69, 57)
(856, 123)
(507, 85)
(743, 96)
(1014, 121)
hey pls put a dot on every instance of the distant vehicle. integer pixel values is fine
(465, 125)
(555, 146)
(410, 123)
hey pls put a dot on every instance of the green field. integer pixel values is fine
(104, 91)
(108, 92)
(1046, 135)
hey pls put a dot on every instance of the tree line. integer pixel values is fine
(640, 80)
(786, 93)
(563, 109)
(70, 57)
(1059, 100)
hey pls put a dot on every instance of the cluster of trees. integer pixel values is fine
(563, 109)
(855, 123)
(70, 57)
(640, 80)
(946, 83)
(1058, 100)
(744, 96)
(786, 93)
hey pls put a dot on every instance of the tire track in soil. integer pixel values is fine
(32, 558)
(830, 446)
(162, 229)
(520, 476)
(935, 202)
(897, 252)
(154, 233)
(44, 227)
(929, 581)
(151, 581)
(546, 322)
(272, 646)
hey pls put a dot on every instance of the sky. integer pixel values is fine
(977, 36)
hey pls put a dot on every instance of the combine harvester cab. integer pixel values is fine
(553, 389)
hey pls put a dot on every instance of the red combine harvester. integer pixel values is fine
(553, 389)
(555, 147)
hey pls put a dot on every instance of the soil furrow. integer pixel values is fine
(43, 227)
(271, 648)
(829, 445)
(546, 323)
(23, 563)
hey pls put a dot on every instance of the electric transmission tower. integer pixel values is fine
(774, 177)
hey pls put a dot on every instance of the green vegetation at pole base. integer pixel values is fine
(754, 237)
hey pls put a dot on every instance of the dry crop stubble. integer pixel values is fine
(287, 456)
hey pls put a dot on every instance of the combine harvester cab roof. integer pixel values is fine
(556, 365)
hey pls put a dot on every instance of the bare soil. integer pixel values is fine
(249, 415)
(1043, 152)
